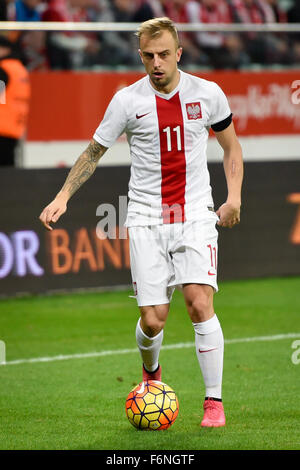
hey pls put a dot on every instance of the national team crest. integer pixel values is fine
(193, 110)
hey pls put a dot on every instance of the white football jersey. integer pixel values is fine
(167, 136)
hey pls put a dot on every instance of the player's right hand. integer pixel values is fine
(52, 212)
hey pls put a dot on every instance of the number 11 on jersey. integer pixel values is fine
(167, 130)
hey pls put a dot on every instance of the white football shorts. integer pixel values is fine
(167, 256)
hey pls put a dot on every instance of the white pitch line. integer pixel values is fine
(63, 357)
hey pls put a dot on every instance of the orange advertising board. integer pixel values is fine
(69, 106)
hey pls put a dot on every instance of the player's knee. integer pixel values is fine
(152, 321)
(152, 326)
(201, 308)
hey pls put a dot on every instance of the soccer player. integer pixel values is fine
(171, 219)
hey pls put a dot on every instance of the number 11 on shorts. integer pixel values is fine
(213, 260)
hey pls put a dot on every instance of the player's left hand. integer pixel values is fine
(229, 214)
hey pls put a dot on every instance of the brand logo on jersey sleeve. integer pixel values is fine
(193, 110)
(139, 116)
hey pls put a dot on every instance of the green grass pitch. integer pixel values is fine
(79, 403)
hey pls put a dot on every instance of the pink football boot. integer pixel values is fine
(213, 413)
(156, 375)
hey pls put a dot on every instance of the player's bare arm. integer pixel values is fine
(79, 174)
(229, 212)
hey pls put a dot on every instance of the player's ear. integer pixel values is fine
(141, 55)
(178, 54)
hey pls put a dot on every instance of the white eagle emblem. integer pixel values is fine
(193, 110)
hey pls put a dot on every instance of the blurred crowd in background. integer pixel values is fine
(217, 50)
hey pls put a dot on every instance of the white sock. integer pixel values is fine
(209, 342)
(149, 347)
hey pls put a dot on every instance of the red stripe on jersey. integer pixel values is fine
(173, 162)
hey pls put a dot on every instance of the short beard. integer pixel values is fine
(160, 83)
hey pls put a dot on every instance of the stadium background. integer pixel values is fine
(65, 109)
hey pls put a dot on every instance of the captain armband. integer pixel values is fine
(222, 125)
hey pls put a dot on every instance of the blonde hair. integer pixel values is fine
(155, 26)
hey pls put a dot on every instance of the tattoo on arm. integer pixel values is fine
(95, 151)
(84, 167)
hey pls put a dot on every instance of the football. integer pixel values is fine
(152, 405)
